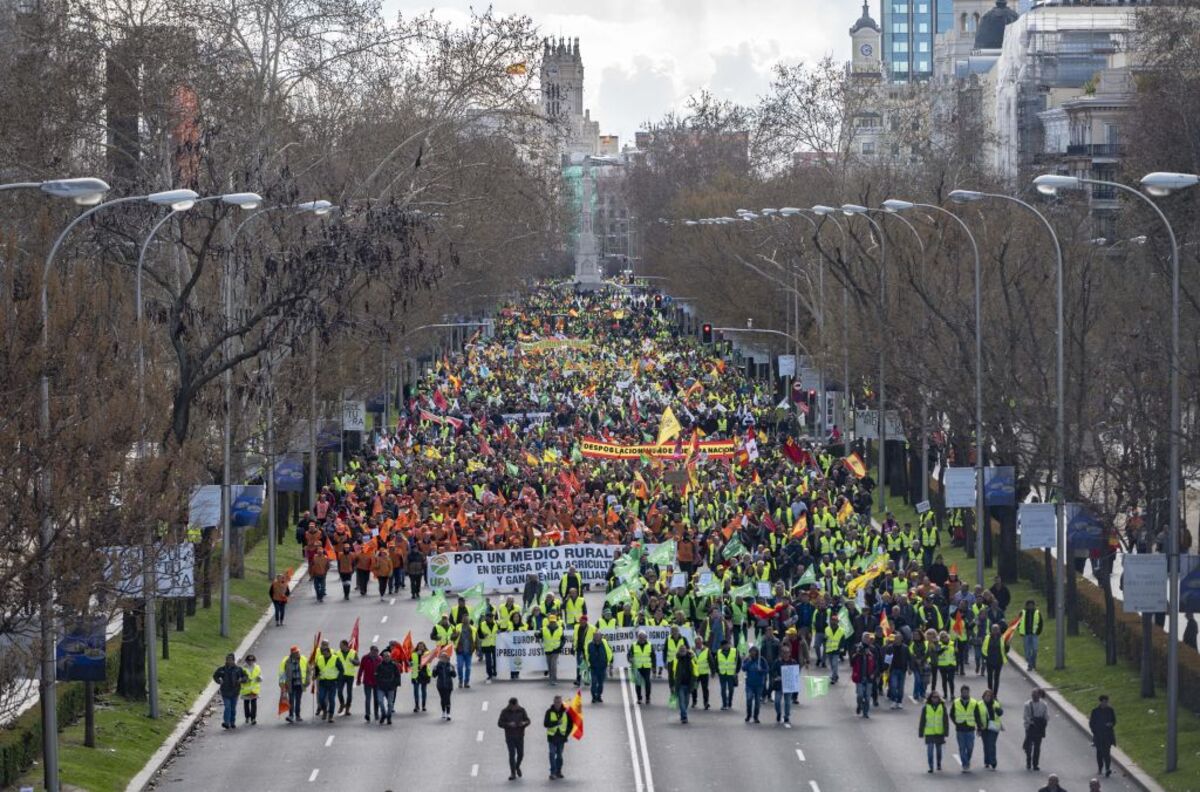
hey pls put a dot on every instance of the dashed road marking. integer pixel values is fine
(392, 601)
(329, 741)
(479, 736)
(375, 639)
(474, 770)
(313, 776)
(814, 786)
(485, 706)
(800, 754)
(383, 620)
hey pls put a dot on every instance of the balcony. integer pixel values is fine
(1096, 150)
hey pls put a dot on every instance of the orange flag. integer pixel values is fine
(329, 551)
(854, 463)
(1012, 628)
(959, 628)
(575, 713)
(800, 527)
(954, 570)
(354, 636)
(886, 625)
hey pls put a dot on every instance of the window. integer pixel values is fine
(899, 8)
(962, 23)
(922, 46)
(899, 27)
(868, 147)
(900, 67)
(922, 27)
(922, 8)
(923, 66)
(899, 46)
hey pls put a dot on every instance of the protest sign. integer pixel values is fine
(506, 570)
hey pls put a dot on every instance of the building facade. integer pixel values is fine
(562, 98)
(909, 28)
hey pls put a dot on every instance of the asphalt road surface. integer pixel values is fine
(625, 747)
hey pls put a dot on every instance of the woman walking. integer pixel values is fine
(443, 675)
(933, 726)
(1036, 716)
(420, 677)
(251, 689)
(279, 593)
(990, 711)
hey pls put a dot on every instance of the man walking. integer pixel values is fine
(683, 671)
(1036, 716)
(642, 663)
(1103, 723)
(1029, 628)
(728, 665)
(293, 677)
(757, 672)
(598, 657)
(557, 724)
(367, 667)
(552, 640)
(387, 680)
(230, 678)
(514, 720)
(967, 721)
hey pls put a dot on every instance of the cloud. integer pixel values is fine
(629, 97)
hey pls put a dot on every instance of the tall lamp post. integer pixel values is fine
(850, 210)
(1060, 628)
(149, 578)
(830, 214)
(896, 205)
(319, 208)
(1158, 184)
(170, 198)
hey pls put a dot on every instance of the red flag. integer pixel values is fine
(886, 625)
(855, 465)
(484, 448)
(1012, 628)
(959, 628)
(760, 611)
(312, 658)
(354, 636)
(793, 452)
(575, 713)
(329, 551)
(439, 400)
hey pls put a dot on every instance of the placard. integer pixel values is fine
(764, 589)
(354, 416)
(923, 507)
(791, 678)
(80, 655)
(506, 570)
(1145, 582)
(175, 566)
(866, 425)
(705, 579)
(1038, 524)
(960, 487)
(520, 652)
(787, 365)
(999, 486)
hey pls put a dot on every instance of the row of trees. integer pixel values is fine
(717, 157)
(425, 136)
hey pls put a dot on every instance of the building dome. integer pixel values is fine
(990, 34)
(865, 21)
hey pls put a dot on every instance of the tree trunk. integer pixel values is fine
(167, 606)
(1006, 565)
(1048, 573)
(1072, 598)
(1147, 655)
(131, 673)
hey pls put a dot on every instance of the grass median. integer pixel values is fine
(1141, 722)
(125, 737)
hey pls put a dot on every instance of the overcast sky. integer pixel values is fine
(644, 57)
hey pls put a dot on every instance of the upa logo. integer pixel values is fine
(439, 571)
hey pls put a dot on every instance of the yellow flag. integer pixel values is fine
(531, 459)
(668, 427)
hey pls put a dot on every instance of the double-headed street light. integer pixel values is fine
(84, 191)
(830, 214)
(1060, 596)
(851, 210)
(1158, 184)
(895, 205)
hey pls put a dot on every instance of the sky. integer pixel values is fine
(642, 58)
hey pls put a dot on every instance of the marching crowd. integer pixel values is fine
(759, 556)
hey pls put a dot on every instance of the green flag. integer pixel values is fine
(809, 577)
(433, 606)
(865, 562)
(744, 590)
(710, 589)
(733, 548)
(817, 686)
(743, 647)
(576, 454)
(626, 567)
(663, 555)
(619, 596)
(512, 469)
(474, 592)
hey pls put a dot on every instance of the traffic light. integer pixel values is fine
(706, 333)
(658, 301)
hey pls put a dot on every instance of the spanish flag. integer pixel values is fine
(885, 625)
(855, 465)
(668, 427)
(1012, 628)
(640, 490)
(845, 513)
(575, 713)
(800, 527)
(959, 628)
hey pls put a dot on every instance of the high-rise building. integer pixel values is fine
(909, 27)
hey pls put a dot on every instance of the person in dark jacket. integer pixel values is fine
(514, 720)
(933, 727)
(229, 679)
(896, 661)
(415, 567)
(598, 655)
(443, 678)
(387, 680)
(558, 725)
(684, 673)
(1103, 723)
(757, 671)
(864, 668)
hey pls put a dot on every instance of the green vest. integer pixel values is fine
(727, 661)
(964, 714)
(946, 656)
(643, 655)
(487, 634)
(327, 669)
(833, 638)
(700, 662)
(558, 724)
(934, 725)
(1037, 622)
(347, 663)
(551, 639)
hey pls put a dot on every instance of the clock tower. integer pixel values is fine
(865, 39)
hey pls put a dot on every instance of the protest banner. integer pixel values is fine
(598, 449)
(506, 570)
(622, 638)
(520, 652)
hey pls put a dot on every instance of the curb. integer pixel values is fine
(165, 751)
(1119, 757)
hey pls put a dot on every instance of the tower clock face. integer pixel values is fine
(866, 50)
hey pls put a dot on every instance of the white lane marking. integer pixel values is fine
(383, 620)
(637, 768)
(474, 770)
(392, 601)
(313, 777)
(814, 786)
(641, 729)
(375, 639)
(479, 736)
(485, 706)
(800, 754)
(329, 741)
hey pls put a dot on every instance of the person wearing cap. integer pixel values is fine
(251, 689)
(229, 678)
(642, 663)
(293, 677)
(329, 673)
(598, 655)
(581, 636)
(552, 641)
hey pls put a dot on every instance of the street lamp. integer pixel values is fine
(149, 580)
(173, 199)
(1060, 596)
(830, 214)
(85, 191)
(895, 205)
(1158, 184)
(851, 210)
